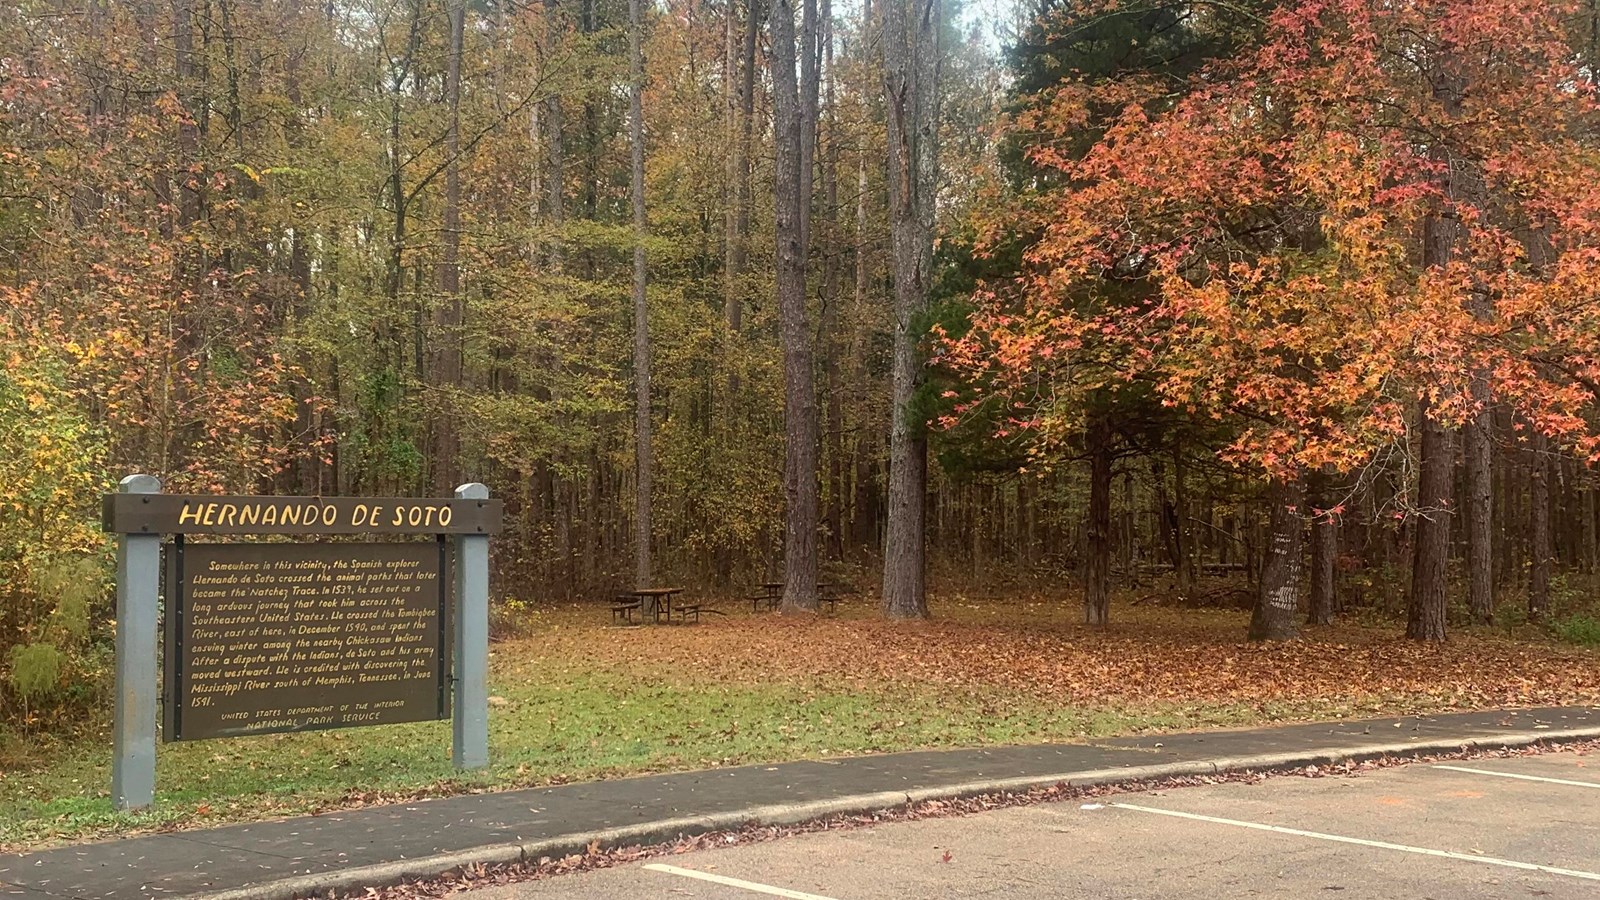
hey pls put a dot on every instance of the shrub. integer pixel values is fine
(53, 559)
(1579, 629)
(36, 671)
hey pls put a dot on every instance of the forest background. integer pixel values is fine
(1173, 294)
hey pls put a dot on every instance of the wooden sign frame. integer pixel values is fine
(140, 516)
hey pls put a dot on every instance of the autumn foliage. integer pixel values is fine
(1275, 217)
(263, 247)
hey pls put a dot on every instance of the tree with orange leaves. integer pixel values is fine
(1336, 235)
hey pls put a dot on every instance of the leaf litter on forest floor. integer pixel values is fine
(1156, 657)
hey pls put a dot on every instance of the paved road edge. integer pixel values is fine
(667, 830)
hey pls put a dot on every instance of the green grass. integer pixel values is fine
(576, 700)
(577, 726)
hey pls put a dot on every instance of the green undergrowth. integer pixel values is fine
(1583, 630)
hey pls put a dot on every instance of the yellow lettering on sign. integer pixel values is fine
(229, 511)
(209, 516)
(269, 516)
(250, 514)
(290, 516)
(189, 515)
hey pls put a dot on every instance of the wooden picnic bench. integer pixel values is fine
(768, 592)
(828, 594)
(623, 606)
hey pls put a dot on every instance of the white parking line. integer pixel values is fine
(736, 883)
(1382, 845)
(1587, 784)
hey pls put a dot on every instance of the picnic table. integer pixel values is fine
(656, 602)
(653, 604)
(771, 594)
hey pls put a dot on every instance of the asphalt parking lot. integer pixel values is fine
(1519, 827)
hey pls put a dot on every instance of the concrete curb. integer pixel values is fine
(667, 830)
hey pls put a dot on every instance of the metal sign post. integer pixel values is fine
(470, 722)
(133, 764)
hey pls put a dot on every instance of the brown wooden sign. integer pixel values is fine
(217, 514)
(266, 638)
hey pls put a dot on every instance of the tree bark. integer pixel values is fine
(555, 181)
(1479, 501)
(911, 93)
(1184, 568)
(1129, 543)
(1166, 517)
(1324, 553)
(738, 222)
(831, 291)
(1097, 564)
(863, 527)
(1277, 609)
(1425, 619)
(1479, 510)
(792, 199)
(185, 73)
(448, 319)
(1442, 235)
(644, 469)
(810, 94)
(1539, 530)
(1591, 536)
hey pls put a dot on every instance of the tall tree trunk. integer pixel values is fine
(911, 94)
(865, 509)
(1479, 508)
(448, 371)
(1324, 552)
(832, 288)
(810, 95)
(1539, 530)
(555, 162)
(732, 161)
(536, 160)
(186, 74)
(800, 402)
(747, 120)
(643, 461)
(1184, 568)
(593, 149)
(1425, 620)
(1479, 485)
(1442, 235)
(1097, 565)
(1166, 515)
(394, 276)
(863, 529)
(1277, 609)
(1129, 545)
(1591, 535)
